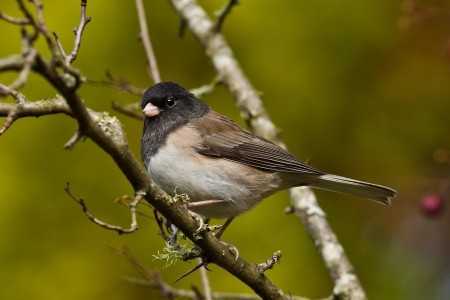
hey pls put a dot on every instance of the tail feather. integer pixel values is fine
(349, 186)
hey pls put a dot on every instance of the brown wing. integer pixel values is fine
(224, 138)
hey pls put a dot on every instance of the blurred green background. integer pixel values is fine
(359, 87)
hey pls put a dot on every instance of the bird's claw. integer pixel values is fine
(231, 248)
(199, 219)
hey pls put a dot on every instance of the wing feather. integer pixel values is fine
(221, 137)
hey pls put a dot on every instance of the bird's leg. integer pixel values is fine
(222, 229)
(204, 202)
(197, 217)
(201, 203)
(224, 226)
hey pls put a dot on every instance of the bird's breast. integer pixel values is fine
(179, 169)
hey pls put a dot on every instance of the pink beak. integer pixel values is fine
(150, 110)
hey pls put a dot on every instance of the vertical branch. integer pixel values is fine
(69, 59)
(78, 33)
(152, 66)
(41, 26)
(205, 282)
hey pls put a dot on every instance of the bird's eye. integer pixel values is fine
(170, 102)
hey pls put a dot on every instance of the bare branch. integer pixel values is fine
(133, 227)
(223, 13)
(41, 26)
(205, 282)
(267, 265)
(13, 20)
(119, 83)
(30, 55)
(30, 18)
(23, 108)
(68, 59)
(123, 201)
(152, 277)
(5, 90)
(73, 140)
(24, 64)
(60, 46)
(78, 33)
(12, 63)
(206, 88)
(346, 283)
(129, 110)
(152, 66)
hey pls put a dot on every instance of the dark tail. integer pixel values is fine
(354, 187)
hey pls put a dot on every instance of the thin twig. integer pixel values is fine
(67, 60)
(122, 201)
(119, 83)
(205, 89)
(129, 110)
(20, 98)
(42, 27)
(201, 264)
(73, 140)
(14, 112)
(145, 37)
(197, 293)
(223, 13)
(78, 33)
(29, 17)
(134, 225)
(23, 75)
(60, 46)
(191, 295)
(14, 20)
(205, 282)
(152, 277)
(268, 264)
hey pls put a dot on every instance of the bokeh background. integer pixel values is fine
(361, 88)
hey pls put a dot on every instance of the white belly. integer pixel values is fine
(209, 178)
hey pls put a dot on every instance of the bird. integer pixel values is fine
(188, 148)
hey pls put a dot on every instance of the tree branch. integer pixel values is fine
(152, 65)
(223, 13)
(133, 205)
(22, 108)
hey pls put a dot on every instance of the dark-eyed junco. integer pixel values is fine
(190, 149)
